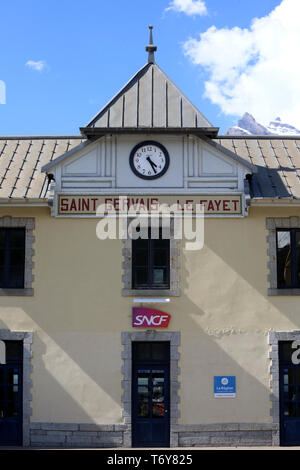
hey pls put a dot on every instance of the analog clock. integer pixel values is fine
(149, 160)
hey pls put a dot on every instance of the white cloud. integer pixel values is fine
(189, 7)
(256, 69)
(39, 65)
(2, 92)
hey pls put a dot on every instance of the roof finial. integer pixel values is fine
(151, 48)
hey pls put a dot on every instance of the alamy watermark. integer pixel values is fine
(296, 354)
(137, 221)
(2, 92)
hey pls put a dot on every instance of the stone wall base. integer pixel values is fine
(116, 435)
(77, 435)
(228, 434)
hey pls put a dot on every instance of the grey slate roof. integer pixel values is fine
(21, 160)
(149, 100)
(277, 161)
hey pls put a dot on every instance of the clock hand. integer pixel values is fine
(152, 164)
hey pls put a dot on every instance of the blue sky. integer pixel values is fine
(61, 61)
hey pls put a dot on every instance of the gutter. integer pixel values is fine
(274, 202)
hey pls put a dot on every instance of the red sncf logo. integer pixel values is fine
(149, 318)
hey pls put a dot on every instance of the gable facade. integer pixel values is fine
(200, 317)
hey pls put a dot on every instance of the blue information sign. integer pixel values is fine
(224, 386)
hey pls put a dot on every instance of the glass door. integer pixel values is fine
(10, 405)
(150, 405)
(289, 379)
(11, 395)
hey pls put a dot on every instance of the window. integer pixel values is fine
(12, 258)
(151, 263)
(151, 267)
(283, 242)
(16, 256)
(288, 258)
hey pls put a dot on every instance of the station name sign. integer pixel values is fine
(143, 317)
(87, 205)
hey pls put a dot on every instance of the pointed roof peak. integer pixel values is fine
(150, 101)
(151, 48)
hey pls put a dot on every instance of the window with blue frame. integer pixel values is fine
(288, 258)
(12, 258)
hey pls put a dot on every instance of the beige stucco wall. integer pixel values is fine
(77, 315)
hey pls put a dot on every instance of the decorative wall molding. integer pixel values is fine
(102, 166)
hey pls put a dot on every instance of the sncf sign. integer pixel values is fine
(149, 318)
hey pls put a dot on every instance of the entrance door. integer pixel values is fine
(289, 380)
(11, 421)
(151, 394)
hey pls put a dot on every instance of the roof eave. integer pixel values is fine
(274, 201)
(23, 201)
(89, 132)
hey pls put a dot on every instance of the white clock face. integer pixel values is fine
(149, 160)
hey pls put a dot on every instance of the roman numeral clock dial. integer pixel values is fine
(149, 160)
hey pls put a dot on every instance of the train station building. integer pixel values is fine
(117, 334)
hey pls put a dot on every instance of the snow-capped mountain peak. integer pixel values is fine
(249, 126)
(280, 128)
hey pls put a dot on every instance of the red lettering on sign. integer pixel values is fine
(235, 202)
(94, 199)
(116, 204)
(225, 205)
(108, 205)
(188, 205)
(218, 205)
(85, 204)
(210, 206)
(64, 205)
(73, 205)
